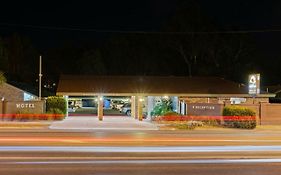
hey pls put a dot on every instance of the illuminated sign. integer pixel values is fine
(203, 109)
(254, 84)
(25, 105)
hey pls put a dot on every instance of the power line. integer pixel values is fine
(138, 32)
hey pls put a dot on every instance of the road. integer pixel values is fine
(140, 160)
(139, 138)
(143, 169)
(139, 152)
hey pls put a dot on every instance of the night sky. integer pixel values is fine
(49, 24)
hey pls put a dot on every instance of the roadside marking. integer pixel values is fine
(127, 149)
(88, 140)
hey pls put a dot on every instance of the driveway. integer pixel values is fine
(108, 123)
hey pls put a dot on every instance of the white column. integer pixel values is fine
(175, 103)
(183, 112)
(150, 106)
(66, 99)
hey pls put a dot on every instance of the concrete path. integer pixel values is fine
(108, 123)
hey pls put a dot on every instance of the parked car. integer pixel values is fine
(71, 108)
(126, 109)
(116, 104)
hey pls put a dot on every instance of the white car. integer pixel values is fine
(116, 104)
(126, 109)
(71, 108)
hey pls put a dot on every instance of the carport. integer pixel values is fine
(184, 89)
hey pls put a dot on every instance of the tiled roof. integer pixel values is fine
(146, 85)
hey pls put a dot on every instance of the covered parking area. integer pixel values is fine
(145, 90)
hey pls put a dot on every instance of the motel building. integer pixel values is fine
(189, 95)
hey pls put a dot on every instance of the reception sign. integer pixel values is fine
(204, 109)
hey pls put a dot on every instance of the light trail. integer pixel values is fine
(201, 161)
(137, 149)
(98, 140)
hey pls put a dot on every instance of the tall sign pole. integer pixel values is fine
(40, 76)
(254, 89)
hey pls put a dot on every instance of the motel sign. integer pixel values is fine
(254, 84)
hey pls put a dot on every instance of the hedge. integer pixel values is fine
(242, 117)
(31, 117)
(57, 114)
(56, 102)
(176, 117)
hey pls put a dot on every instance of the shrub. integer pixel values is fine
(56, 102)
(55, 114)
(188, 125)
(168, 116)
(23, 115)
(171, 113)
(163, 107)
(212, 122)
(242, 117)
(194, 124)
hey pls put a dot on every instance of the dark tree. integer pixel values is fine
(91, 63)
(3, 56)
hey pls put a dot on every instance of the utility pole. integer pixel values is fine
(40, 75)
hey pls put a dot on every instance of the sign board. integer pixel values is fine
(204, 109)
(36, 107)
(254, 84)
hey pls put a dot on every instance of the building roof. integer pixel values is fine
(12, 93)
(273, 89)
(74, 85)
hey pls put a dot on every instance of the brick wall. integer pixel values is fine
(11, 93)
(271, 114)
(256, 100)
(267, 113)
(199, 100)
(1, 108)
(36, 107)
(220, 100)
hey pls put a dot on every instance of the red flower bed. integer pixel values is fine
(203, 118)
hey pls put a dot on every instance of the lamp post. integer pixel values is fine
(40, 76)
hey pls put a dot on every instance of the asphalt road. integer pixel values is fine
(143, 169)
(140, 152)
(82, 162)
(139, 138)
